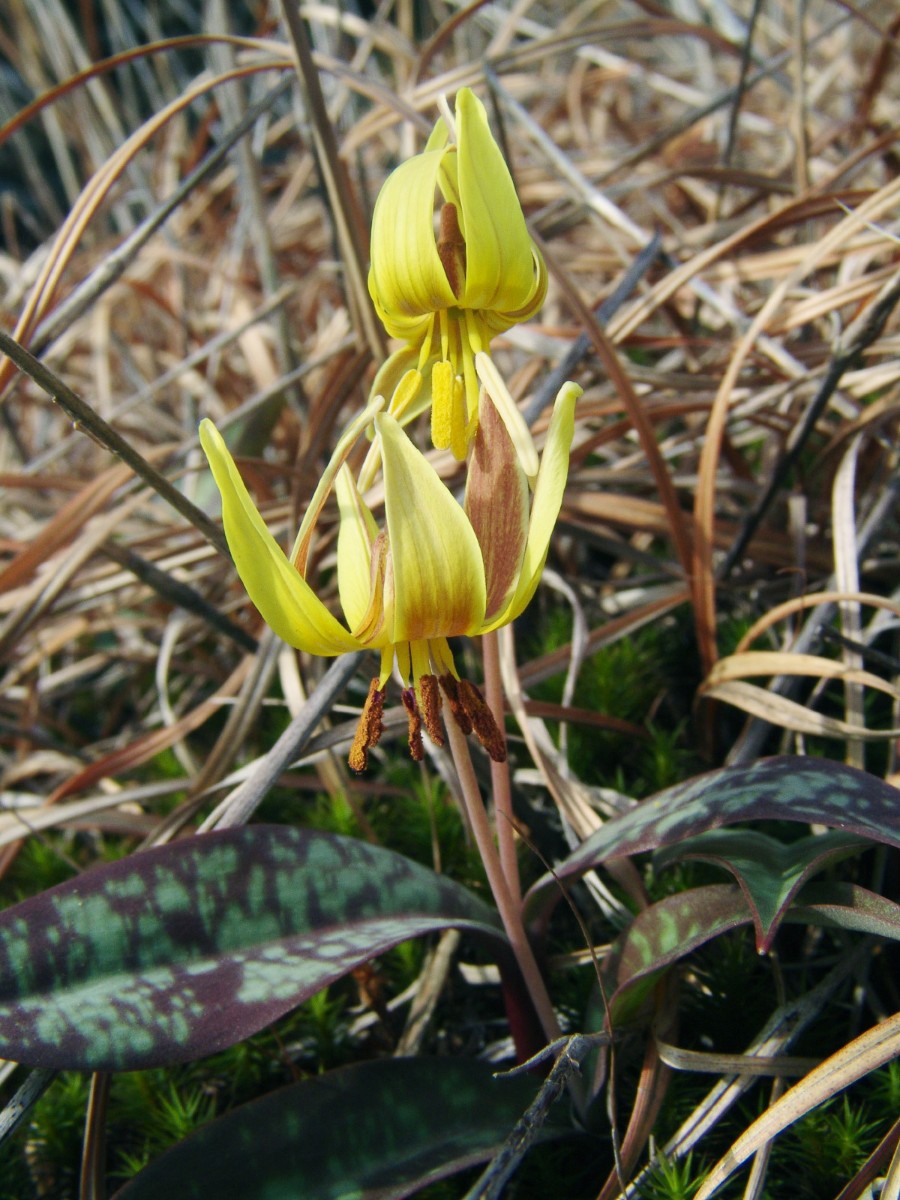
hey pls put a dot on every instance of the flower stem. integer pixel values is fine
(502, 792)
(510, 912)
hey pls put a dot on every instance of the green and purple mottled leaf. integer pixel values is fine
(769, 873)
(380, 1129)
(809, 790)
(177, 952)
(669, 930)
(847, 906)
(661, 935)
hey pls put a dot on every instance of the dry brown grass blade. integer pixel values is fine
(537, 669)
(92, 197)
(789, 714)
(583, 716)
(726, 251)
(240, 804)
(603, 346)
(60, 529)
(637, 514)
(442, 35)
(104, 434)
(91, 812)
(349, 224)
(32, 603)
(705, 504)
(76, 80)
(710, 1063)
(145, 748)
(790, 608)
(776, 662)
(134, 754)
(255, 685)
(852, 1062)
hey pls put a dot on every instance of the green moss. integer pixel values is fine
(671, 1179)
(648, 681)
(819, 1153)
(44, 1157)
(40, 864)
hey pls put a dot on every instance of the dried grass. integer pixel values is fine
(758, 345)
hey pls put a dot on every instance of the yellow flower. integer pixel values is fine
(447, 294)
(435, 570)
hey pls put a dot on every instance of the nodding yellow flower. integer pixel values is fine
(433, 570)
(448, 293)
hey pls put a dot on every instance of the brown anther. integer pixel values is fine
(450, 688)
(451, 248)
(482, 719)
(416, 746)
(431, 708)
(369, 729)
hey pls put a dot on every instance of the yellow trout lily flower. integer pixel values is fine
(448, 293)
(433, 571)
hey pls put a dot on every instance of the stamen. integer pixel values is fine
(431, 708)
(442, 405)
(450, 688)
(459, 444)
(472, 386)
(404, 394)
(416, 745)
(482, 719)
(369, 729)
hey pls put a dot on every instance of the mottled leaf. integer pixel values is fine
(847, 906)
(769, 873)
(177, 952)
(661, 935)
(378, 1129)
(809, 790)
(674, 927)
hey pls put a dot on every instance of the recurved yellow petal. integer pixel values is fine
(407, 279)
(546, 502)
(345, 444)
(284, 599)
(354, 554)
(499, 266)
(436, 585)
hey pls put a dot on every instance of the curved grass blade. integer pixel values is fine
(179, 951)
(376, 1129)
(857, 1059)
